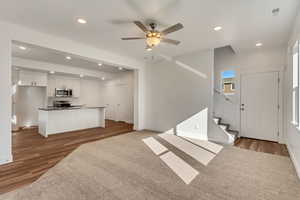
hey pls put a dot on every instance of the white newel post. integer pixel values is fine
(5, 100)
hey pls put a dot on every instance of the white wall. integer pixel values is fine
(90, 93)
(251, 61)
(10, 32)
(116, 93)
(30, 36)
(292, 133)
(175, 94)
(118, 96)
(5, 100)
(28, 101)
(45, 66)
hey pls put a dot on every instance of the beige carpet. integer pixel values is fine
(123, 167)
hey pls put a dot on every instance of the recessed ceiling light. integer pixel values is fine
(100, 64)
(120, 68)
(52, 72)
(103, 78)
(81, 21)
(259, 44)
(218, 28)
(68, 57)
(81, 75)
(22, 48)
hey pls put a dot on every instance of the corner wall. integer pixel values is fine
(118, 96)
(292, 132)
(175, 94)
(251, 61)
(5, 100)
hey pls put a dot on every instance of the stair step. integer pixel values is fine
(224, 125)
(232, 134)
(217, 120)
(233, 131)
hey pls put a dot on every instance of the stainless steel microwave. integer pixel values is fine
(63, 92)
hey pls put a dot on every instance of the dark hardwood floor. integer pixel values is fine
(262, 146)
(34, 155)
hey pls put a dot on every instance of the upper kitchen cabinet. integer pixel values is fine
(75, 86)
(51, 86)
(63, 82)
(32, 78)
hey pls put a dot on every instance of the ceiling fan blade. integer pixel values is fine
(141, 26)
(172, 29)
(133, 38)
(170, 41)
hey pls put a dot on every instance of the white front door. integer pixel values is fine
(259, 105)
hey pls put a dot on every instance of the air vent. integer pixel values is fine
(275, 11)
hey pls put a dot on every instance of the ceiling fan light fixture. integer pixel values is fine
(148, 48)
(153, 36)
(153, 41)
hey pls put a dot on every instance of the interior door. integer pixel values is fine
(259, 105)
(110, 112)
(122, 109)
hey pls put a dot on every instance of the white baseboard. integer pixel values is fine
(5, 160)
(294, 159)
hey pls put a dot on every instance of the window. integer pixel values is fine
(295, 95)
(228, 82)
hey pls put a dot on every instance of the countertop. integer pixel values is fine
(51, 108)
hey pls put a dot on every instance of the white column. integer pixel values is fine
(139, 98)
(5, 100)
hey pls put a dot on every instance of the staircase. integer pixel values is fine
(232, 134)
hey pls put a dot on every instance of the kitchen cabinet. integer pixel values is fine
(32, 78)
(75, 86)
(63, 82)
(51, 86)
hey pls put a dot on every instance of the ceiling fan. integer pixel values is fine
(154, 37)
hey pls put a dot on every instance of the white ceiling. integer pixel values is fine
(244, 22)
(37, 53)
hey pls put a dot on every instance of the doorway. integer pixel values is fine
(260, 106)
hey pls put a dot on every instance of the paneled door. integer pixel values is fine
(260, 106)
(122, 106)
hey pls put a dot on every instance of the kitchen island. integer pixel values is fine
(59, 120)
